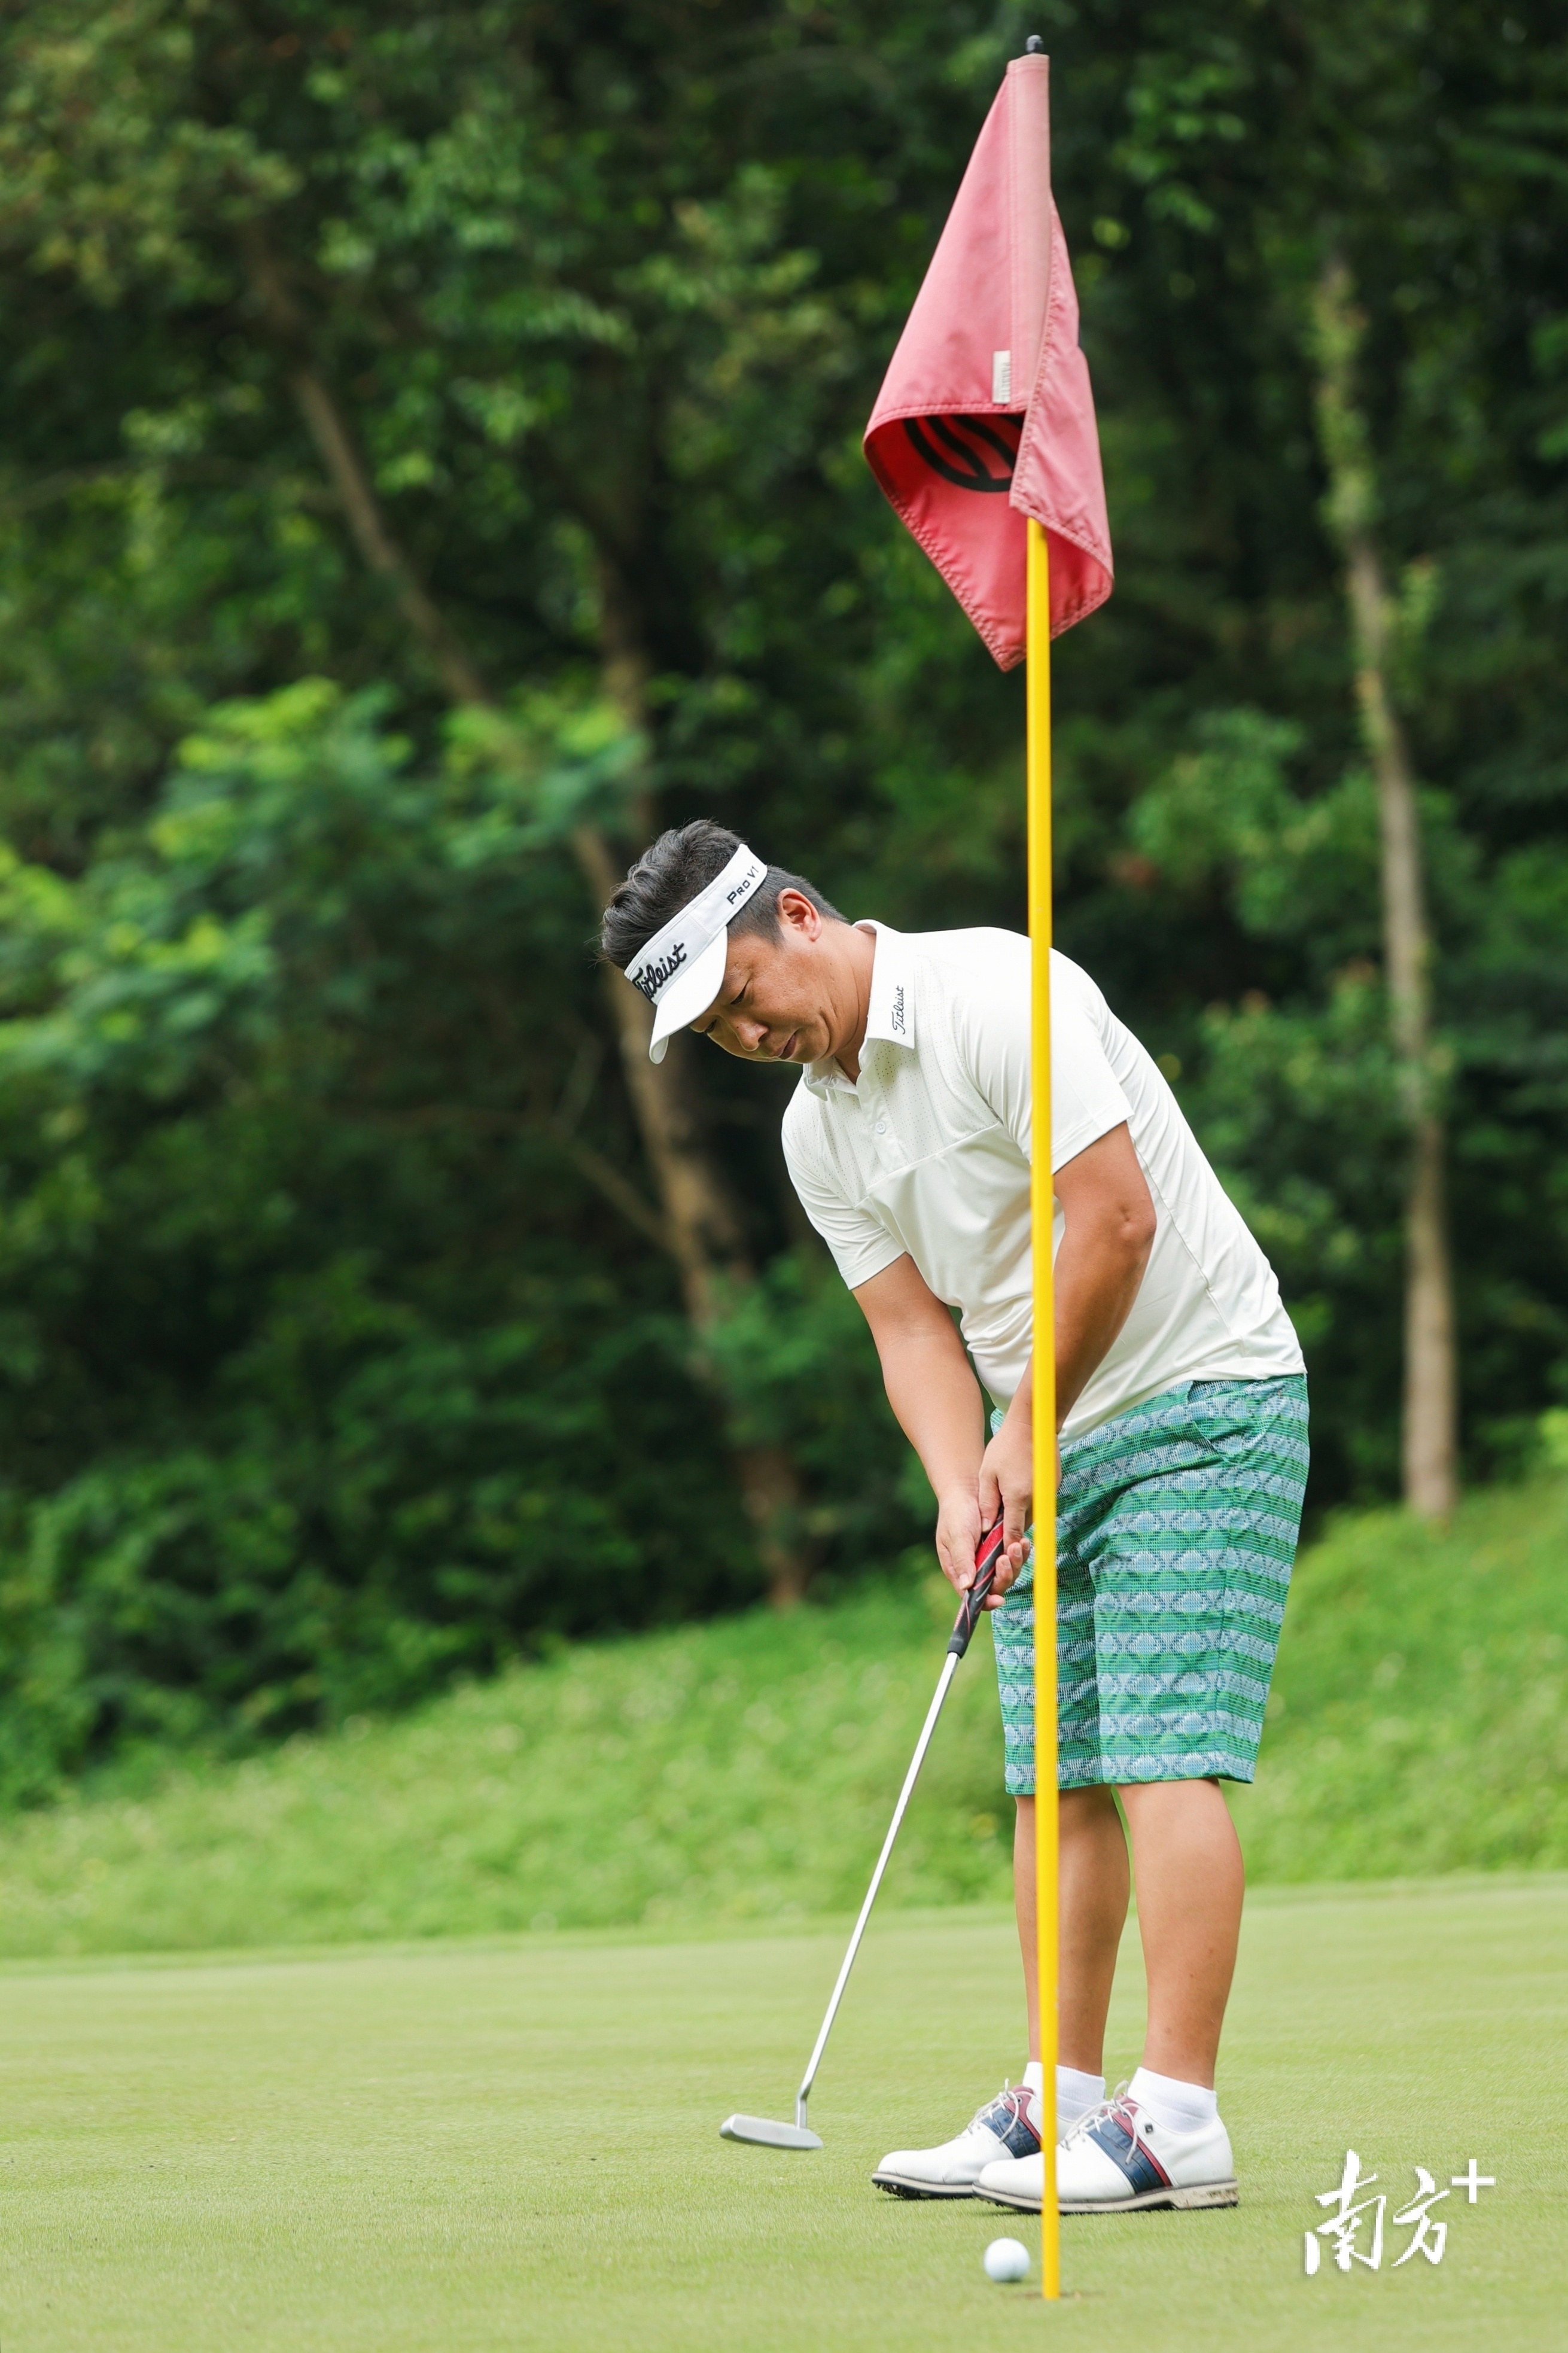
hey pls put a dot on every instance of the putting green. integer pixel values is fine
(452, 2147)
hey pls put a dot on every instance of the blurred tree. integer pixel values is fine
(1431, 1436)
(522, 355)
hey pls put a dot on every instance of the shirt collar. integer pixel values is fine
(891, 1012)
(889, 1015)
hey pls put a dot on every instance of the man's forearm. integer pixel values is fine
(1095, 1292)
(927, 1375)
(1110, 1233)
(1089, 1318)
(937, 1403)
(936, 1398)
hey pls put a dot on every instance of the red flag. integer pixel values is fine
(986, 416)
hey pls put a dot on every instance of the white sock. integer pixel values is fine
(1077, 2093)
(1180, 2108)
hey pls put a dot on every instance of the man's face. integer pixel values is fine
(788, 996)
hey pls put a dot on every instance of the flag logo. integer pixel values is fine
(980, 452)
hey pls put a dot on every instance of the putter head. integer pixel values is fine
(764, 2133)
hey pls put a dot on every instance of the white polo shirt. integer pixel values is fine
(929, 1153)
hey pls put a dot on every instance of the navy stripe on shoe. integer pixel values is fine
(1008, 2118)
(1115, 2133)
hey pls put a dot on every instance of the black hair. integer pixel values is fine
(668, 876)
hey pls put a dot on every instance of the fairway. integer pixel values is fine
(447, 2147)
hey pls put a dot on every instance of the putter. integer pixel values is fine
(763, 2132)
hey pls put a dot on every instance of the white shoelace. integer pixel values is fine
(1108, 2107)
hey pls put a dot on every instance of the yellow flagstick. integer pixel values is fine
(1042, 1205)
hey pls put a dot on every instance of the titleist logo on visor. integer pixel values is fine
(689, 934)
(650, 977)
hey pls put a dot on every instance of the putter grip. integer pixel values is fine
(969, 1612)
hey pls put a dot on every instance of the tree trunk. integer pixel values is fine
(1430, 1446)
(707, 1230)
(702, 1227)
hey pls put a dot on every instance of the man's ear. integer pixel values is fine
(796, 913)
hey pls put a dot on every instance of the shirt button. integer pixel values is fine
(881, 1127)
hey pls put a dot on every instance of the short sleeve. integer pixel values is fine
(1087, 1098)
(861, 1243)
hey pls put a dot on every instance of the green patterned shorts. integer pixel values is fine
(1176, 1526)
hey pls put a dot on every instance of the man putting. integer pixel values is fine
(1182, 1408)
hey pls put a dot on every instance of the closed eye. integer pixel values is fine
(725, 1005)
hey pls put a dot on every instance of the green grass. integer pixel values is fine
(1419, 1718)
(735, 1771)
(439, 2149)
(511, 2143)
(742, 1771)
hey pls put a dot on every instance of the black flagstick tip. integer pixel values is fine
(1033, 46)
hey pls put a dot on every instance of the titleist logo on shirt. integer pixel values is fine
(896, 1019)
(650, 977)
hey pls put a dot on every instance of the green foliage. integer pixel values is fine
(1416, 1724)
(741, 1771)
(280, 1442)
(1223, 825)
(744, 1770)
(314, 1314)
(794, 1356)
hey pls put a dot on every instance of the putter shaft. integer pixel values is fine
(949, 1669)
(968, 1617)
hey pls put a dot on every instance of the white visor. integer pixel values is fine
(681, 969)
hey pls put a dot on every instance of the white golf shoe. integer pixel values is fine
(1117, 2160)
(1001, 2133)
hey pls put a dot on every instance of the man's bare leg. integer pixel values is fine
(1186, 1862)
(1094, 1891)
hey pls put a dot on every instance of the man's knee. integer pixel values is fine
(1195, 1793)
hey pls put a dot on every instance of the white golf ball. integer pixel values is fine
(1006, 2259)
